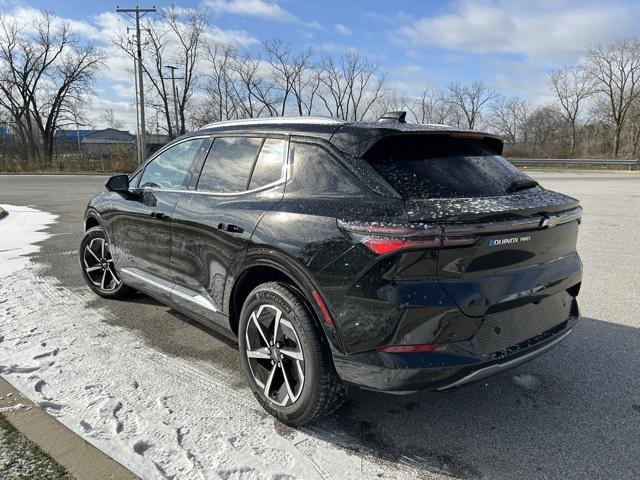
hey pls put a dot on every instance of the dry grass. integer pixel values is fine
(70, 164)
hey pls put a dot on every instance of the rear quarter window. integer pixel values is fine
(442, 166)
(268, 167)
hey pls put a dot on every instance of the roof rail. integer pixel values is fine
(277, 121)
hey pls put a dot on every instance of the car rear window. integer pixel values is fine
(442, 166)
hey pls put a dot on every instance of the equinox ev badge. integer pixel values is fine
(508, 241)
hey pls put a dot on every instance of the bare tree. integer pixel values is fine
(508, 116)
(175, 40)
(615, 69)
(257, 94)
(157, 39)
(572, 85)
(545, 127)
(470, 100)
(305, 88)
(350, 86)
(43, 69)
(634, 114)
(221, 101)
(289, 71)
(188, 31)
(109, 118)
(431, 107)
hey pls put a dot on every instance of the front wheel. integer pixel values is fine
(288, 366)
(97, 266)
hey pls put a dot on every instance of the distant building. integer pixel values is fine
(106, 142)
(71, 135)
(68, 140)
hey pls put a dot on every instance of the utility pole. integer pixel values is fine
(139, 13)
(175, 96)
(138, 144)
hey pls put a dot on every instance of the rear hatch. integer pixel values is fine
(505, 239)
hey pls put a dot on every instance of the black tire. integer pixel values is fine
(103, 281)
(322, 391)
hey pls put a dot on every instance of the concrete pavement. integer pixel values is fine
(573, 413)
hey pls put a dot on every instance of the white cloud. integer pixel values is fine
(544, 31)
(239, 38)
(262, 9)
(342, 29)
(253, 8)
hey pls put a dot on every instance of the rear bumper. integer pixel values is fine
(449, 366)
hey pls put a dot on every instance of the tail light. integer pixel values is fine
(386, 238)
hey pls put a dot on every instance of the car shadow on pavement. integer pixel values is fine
(572, 413)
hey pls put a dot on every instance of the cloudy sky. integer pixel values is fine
(511, 45)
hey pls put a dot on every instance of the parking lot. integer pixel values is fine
(573, 413)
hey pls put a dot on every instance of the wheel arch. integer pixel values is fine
(91, 220)
(272, 266)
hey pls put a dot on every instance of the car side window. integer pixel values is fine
(171, 169)
(229, 164)
(268, 168)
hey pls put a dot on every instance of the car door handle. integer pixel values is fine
(227, 227)
(160, 216)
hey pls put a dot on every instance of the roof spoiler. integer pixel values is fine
(393, 117)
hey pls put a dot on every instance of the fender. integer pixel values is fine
(266, 257)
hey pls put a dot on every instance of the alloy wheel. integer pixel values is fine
(98, 265)
(275, 355)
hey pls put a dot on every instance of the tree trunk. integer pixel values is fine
(616, 141)
(47, 140)
(636, 139)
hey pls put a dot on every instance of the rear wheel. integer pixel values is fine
(97, 266)
(288, 366)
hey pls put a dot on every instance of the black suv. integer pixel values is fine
(391, 256)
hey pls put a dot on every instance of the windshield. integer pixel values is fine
(444, 166)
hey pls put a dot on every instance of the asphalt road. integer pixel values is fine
(573, 413)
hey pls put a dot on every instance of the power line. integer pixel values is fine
(139, 13)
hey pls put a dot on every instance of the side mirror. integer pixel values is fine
(118, 183)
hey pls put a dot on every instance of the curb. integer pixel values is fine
(81, 459)
(3, 213)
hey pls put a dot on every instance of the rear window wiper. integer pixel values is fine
(522, 184)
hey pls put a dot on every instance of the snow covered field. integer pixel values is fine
(160, 416)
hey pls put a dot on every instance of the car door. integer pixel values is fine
(141, 220)
(242, 177)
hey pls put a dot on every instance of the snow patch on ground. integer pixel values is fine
(526, 381)
(160, 416)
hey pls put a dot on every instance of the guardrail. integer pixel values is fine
(603, 162)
